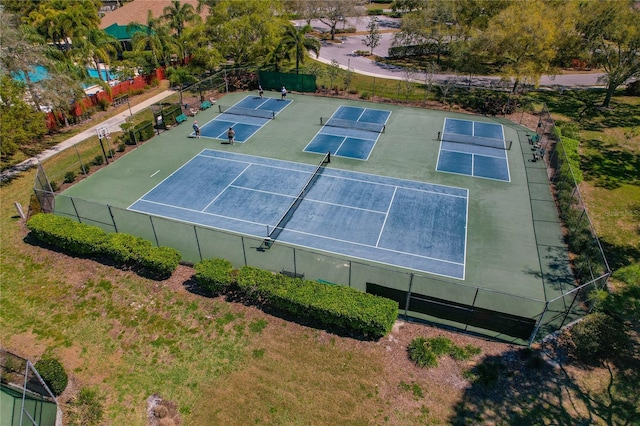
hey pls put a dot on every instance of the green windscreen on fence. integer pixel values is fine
(298, 82)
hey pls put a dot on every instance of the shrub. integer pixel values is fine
(214, 274)
(421, 353)
(53, 374)
(69, 177)
(64, 233)
(98, 160)
(335, 306)
(597, 336)
(425, 352)
(86, 408)
(82, 239)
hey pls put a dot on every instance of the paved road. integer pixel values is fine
(342, 53)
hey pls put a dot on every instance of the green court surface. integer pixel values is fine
(514, 261)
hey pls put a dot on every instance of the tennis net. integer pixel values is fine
(351, 124)
(251, 112)
(476, 140)
(273, 235)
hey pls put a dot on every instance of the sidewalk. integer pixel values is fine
(116, 120)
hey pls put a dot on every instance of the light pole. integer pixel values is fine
(132, 130)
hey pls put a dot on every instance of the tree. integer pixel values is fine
(178, 14)
(433, 25)
(612, 32)
(59, 21)
(521, 40)
(330, 12)
(296, 43)
(153, 37)
(97, 47)
(245, 32)
(20, 123)
(179, 76)
(372, 39)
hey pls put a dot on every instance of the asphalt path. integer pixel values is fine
(342, 53)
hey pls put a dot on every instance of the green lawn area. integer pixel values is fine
(222, 362)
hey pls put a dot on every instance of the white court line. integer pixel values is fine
(370, 246)
(472, 153)
(386, 216)
(157, 171)
(226, 187)
(194, 211)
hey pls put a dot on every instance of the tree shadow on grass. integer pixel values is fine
(619, 256)
(610, 168)
(584, 107)
(519, 388)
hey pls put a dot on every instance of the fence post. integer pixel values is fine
(406, 305)
(538, 324)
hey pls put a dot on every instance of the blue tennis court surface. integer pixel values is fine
(473, 148)
(392, 221)
(350, 132)
(246, 117)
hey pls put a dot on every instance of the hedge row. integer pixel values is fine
(86, 240)
(333, 306)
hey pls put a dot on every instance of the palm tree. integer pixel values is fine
(61, 20)
(97, 47)
(178, 14)
(179, 76)
(295, 42)
(154, 37)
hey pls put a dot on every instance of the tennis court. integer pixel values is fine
(392, 221)
(246, 117)
(350, 132)
(395, 221)
(474, 148)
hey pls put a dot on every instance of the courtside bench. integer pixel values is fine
(181, 119)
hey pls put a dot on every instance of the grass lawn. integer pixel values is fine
(217, 361)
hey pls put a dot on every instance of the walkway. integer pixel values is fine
(116, 120)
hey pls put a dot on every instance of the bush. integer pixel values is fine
(82, 239)
(53, 374)
(86, 408)
(597, 336)
(335, 306)
(73, 237)
(215, 274)
(425, 352)
(69, 177)
(420, 352)
(98, 160)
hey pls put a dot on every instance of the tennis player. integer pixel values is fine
(196, 129)
(231, 134)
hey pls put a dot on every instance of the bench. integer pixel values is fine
(181, 119)
(205, 105)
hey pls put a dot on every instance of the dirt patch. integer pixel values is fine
(161, 412)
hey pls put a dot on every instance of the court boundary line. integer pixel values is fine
(228, 186)
(451, 262)
(440, 150)
(267, 162)
(386, 216)
(375, 141)
(226, 155)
